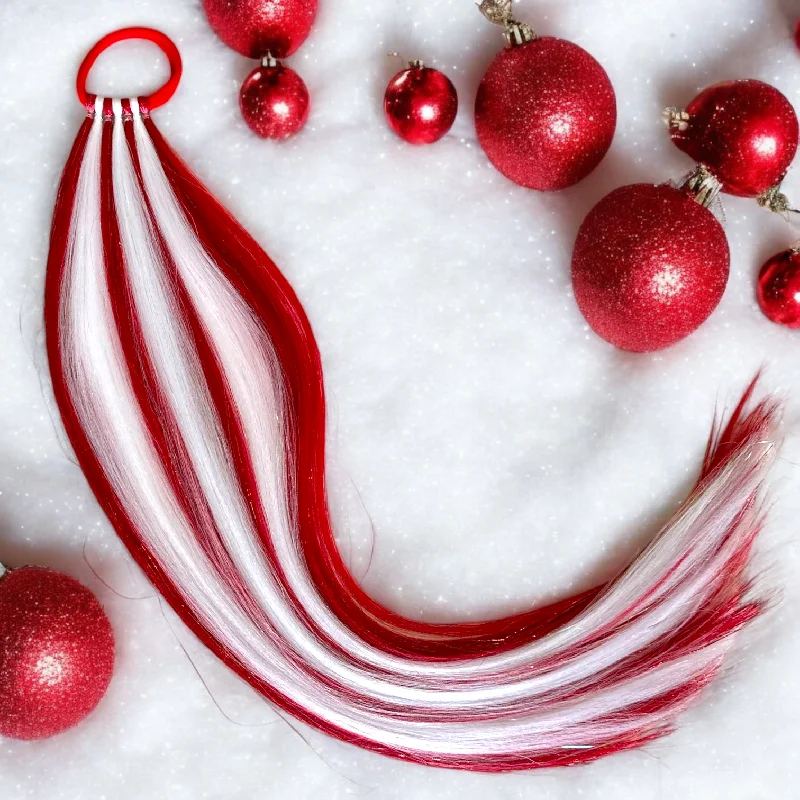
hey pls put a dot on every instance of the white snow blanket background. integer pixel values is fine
(496, 452)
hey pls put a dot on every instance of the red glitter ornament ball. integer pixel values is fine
(420, 104)
(650, 265)
(545, 113)
(56, 653)
(274, 102)
(257, 27)
(744, 131)
(779, 288)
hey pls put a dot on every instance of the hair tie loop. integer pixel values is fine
(161, 40)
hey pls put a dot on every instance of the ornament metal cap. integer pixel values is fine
(498, 12)
(269, 61)
(676, 119)
(702, 185)
(775, 200)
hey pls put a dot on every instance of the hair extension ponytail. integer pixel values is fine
(190, 386)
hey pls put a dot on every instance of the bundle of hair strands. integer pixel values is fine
(190, 386)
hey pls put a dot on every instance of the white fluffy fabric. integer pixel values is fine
(504, 455)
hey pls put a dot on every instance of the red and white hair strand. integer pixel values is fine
(190, 386)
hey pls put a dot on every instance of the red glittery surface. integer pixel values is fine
(56, 653)
(778, 288)
(421, 105)
(545, 113)
(745, 132)
(274, 102)
(649, 266)
(254, 27)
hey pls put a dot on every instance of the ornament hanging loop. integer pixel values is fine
(161, 40)
(499, 12)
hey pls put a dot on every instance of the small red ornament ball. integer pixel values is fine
(56, 653)
(257, 27)
(744, 131)
(545, 113)
(650, 265)
(778, 288)
(274, 102)
(420, 104)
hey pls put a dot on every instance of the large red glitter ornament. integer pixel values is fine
(745, 132)
(56, 653)
(650, 265)
(274, 101)
(778, 288)
(420, 104)
(255, 28)
(545, 112)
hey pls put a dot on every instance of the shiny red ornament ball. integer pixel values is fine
(650, 265)
(274, 102)
(420, 104)
(545, 113)
(257, 27)
(744, 131)
(778, 288)
(56, 653)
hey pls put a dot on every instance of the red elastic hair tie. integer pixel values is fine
(167, 46)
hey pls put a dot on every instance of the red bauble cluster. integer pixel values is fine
(745, 132)
(56, 653)
(420, 104)
(650, 265)
(274, 102)
(779, 288)
(545, 113)
(273, 99)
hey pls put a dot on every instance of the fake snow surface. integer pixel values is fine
(506, 456)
